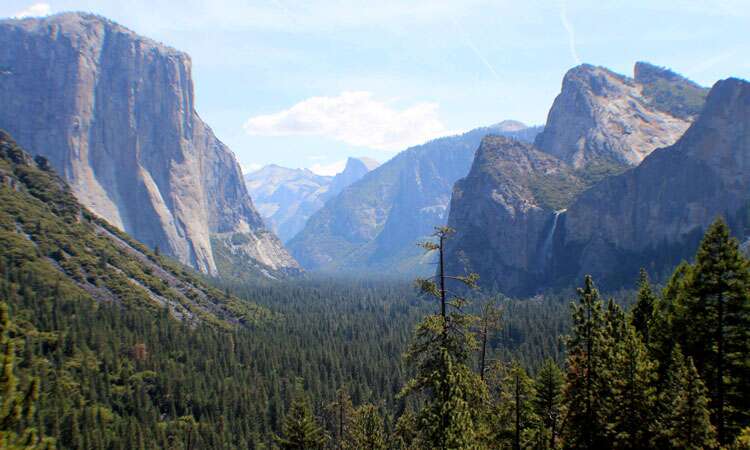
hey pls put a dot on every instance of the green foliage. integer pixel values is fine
(17, 405)
(440, 352)
(366, 431)
(548, 388)
(685, 417)
(631, 422)
(643, 311)
(588, 381)
(300, 430)
(672, 93)
(710, 316)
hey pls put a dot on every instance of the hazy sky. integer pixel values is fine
(307, 83)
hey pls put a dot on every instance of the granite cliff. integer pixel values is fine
(510, 211)
(653, 215)
(505, 210)
(114, 113)
(603, 117)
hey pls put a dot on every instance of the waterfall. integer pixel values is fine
(548, 241)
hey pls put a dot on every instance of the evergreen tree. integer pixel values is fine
(17, 406)
(643, 311)
(341, 412)
(366, 430)
(588, 379)
(451, 413)
(489, 321)
(631, 419)
(548, 403)
(717, 317)
(300, 429)
(686, 420)
(519, 396)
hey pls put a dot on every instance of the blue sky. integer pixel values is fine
(308, 83)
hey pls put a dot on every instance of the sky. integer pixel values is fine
(309, 83)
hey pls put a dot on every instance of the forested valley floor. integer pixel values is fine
(91, 361)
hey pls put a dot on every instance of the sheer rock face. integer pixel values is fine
(600, 115)
(502, 217)
(653, 215)
(286, 198)
(114, 113)
(373, 225)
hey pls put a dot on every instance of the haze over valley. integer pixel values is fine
(464, 225)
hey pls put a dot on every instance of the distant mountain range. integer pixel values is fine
(286, 198)
(626, 172)
(373, 225)
(114, 114)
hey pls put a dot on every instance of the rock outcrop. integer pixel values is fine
(373, 225)
(114, 114)
(653, 215)
(286, 198)
(505, 213)
(603, 117)
(530, 218)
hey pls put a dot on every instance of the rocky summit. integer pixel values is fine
(115, 115)
(511, 198)
(529, 218)
(600, 116)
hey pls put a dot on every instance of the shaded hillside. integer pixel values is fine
(653, 215)
(505, 210)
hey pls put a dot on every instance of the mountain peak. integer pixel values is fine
(603, 116)
(720, 132)
(359, 163)
(79, 25)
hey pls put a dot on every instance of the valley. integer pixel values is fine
(581, 283)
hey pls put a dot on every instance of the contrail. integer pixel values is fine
(474, 48)
(569, 29)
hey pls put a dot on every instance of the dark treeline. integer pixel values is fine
(124, 377)
(89, 361)
(326, 368)
(671, 372)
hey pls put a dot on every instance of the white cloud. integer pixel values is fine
(328, 169)
(355, 118)
(35, 10)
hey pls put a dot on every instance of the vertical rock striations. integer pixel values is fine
(653, 215)
(505, 213)
(114, 113)
(530, 218)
